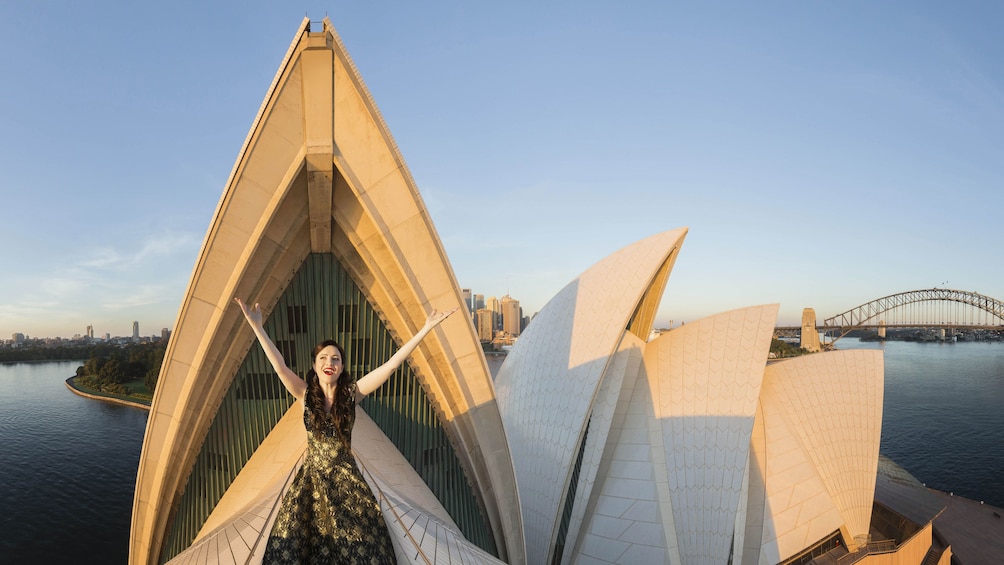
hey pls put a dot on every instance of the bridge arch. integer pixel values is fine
(868, 313)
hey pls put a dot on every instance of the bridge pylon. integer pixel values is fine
(809, 339)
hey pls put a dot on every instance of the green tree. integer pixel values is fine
(109, 365)
(150, 381)
(782, 349)
(133, 370)
(111, 372)
(93, 365)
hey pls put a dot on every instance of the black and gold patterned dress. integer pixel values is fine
(329, 513)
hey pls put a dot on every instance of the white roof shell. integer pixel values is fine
(548, 383)
(692, 448)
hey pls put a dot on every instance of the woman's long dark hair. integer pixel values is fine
(343, 410)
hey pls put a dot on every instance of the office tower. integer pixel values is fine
(512, 317)
(494, 305)
(485, 324)
(135, 330)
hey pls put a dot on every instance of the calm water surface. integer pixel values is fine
(67, 469)
(68, 464)
(943, 418)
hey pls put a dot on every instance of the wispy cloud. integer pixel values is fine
(153, 247)
(105, 283)
(144, 295)
(63, 286)
(166, 244)
(101, 258)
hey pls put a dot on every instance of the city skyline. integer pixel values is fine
(89, 334)
(822, 156)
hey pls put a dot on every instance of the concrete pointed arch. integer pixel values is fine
(319, 173)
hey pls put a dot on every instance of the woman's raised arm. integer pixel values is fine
(372, 380)
(293, 383)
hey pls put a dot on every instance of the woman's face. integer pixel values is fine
(328, 365)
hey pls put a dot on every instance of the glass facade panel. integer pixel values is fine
(322, 302)
(566, 514)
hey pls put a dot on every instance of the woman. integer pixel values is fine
(329, 514)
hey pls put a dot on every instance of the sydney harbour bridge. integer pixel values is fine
(943, 308)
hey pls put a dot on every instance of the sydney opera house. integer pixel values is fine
(600, 440)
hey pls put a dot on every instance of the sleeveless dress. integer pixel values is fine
(329, 514)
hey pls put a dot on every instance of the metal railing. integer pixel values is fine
(871, 548)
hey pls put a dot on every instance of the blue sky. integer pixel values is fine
(822, 154)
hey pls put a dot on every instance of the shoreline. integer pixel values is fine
(134, 403)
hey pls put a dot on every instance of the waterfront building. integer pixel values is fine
(596, 443)
(512, 315)
(485, 324)
(493, 304)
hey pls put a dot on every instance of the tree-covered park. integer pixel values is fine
(126, 370)
(130, 370)
(780, 349)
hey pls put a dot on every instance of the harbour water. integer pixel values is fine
(67, 469)
(68, 464)
(943, 414)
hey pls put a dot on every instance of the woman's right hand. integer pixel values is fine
(293, 383)
(251, 313)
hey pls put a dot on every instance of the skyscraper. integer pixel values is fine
(135, 330)
(493, 304)
(485, 323)
(512, 316)
(466, 292)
